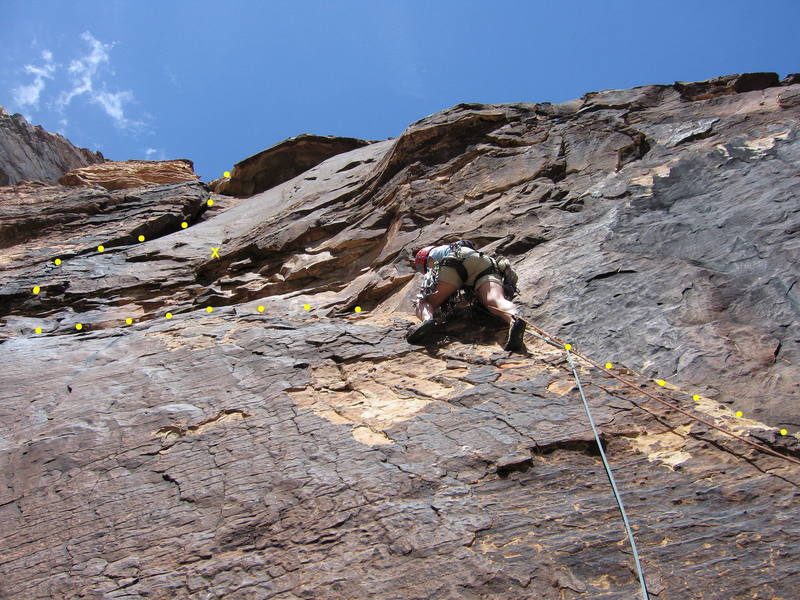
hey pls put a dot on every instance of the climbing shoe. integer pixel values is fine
(416, 335)
(515, 333)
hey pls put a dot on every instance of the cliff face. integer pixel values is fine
(266, 441)
(28, 152)
(113, 175)
(282, 162)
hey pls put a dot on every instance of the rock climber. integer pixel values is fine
(451, 267)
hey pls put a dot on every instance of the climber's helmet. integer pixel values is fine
(421, 259)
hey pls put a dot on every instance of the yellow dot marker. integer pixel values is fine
(169, 315)
(210, 202)
(184, 225)
(141, 238)
(696, 398)
(101, 248)
(567, 346)
(260, 309)
(129, 321)
(306, 307)
(39, 330)
(661, 382)
(358, 309)
(226, 174)
(739, 414)
(36, 289)
(78, 326)
(609, 366)
(57, 261)
(784, 432)
(209, 309)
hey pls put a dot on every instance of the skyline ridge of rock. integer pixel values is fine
(30, 152)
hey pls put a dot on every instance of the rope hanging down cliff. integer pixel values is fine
(610, 475)
(544, 336)
(554, 341)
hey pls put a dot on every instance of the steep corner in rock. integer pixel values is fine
(192, 407)
(283, 162)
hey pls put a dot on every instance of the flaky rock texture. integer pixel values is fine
(249, 448)
(28, 152)
(282, 162)
(121, 175)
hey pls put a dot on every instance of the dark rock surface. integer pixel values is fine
(292, 453)
(30, 152)
(247, 456)
(282, 162)
(730, 84)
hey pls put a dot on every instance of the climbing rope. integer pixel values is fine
(560, 344)
(645, 595)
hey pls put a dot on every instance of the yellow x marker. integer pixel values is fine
(214, 252)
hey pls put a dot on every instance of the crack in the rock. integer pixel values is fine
(719, 446)
(167, 477)
(636, 150)
(221, 417)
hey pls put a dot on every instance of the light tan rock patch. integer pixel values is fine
(373, 396)
(665, 448)
(119, 175)
(176, 341)
(762, 144)
(174, 432)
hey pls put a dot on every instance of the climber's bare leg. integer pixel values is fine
(491, 296)
(426, 307)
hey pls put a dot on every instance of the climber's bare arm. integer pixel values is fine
(426, 307)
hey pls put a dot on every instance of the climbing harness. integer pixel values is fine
(464, 297)
(645, 595)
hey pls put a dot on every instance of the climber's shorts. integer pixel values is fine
(490, 277)
(475, 264)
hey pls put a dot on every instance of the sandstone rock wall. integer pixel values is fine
(281, 446)
(28, 152)
(120, 175)
(282, 162)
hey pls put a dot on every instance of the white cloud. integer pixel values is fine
(87, 77)
(84, 69)
(28, 95)
(155, 154)
(85, 80)
(113, 104)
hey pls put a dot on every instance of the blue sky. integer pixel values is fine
(216, 82)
